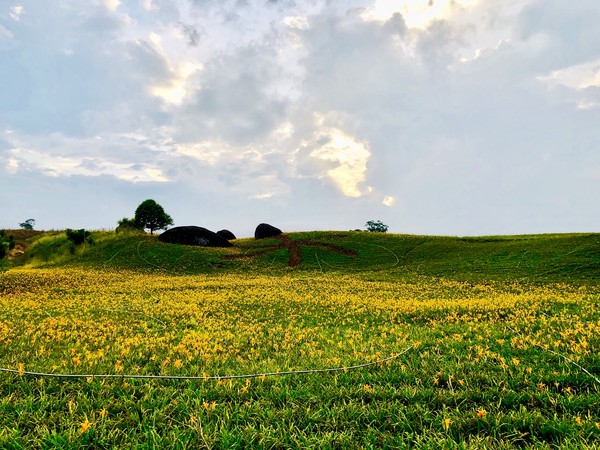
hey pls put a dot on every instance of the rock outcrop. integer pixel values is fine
(226, 234)
(264, 230)
(191, 235)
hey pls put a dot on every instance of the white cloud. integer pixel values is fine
(112, 5)
(175, 90)
(63, 166)
(416, 13)
(579, 76)
(16, 12)
(149, 5)
(12, 165)
(346, 156)
(219, 98)
(297, 22)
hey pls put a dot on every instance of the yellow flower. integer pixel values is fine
(209, 406)
(21, 368)
(481, 413)
(446, 423)
(85, 425)
(103, 413)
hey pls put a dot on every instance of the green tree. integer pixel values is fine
(152, 216)
(376, 226)
(28, 224)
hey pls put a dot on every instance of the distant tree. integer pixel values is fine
(376, 226)
(152, 216)
(28, 224)
(127, 225)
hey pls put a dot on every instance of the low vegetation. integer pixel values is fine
(400, 341)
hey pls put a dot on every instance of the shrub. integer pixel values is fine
(6, 244)
(127, 225)
(78, 236)
(3, 245)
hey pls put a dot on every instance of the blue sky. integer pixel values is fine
(464, 117)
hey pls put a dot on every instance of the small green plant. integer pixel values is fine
(28, 224)
(78, 236)
(376, 226)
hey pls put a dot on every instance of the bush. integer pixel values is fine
(5, 244)
(127, 225)
(78, 236)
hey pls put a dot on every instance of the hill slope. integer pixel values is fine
(533, 258)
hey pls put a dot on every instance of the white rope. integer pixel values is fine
(206, 377)
(318, 262)
(387, 249)
(566, 358)
(133, 312)
(145, 260)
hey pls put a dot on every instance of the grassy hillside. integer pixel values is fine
(312, 340)
(529, 258)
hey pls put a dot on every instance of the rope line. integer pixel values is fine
(207, 377)
(140, 313)
(566, 358)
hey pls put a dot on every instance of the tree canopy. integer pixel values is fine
(28, 224)
(376, 226)
(152, 216)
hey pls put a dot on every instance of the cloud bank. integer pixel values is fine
(443, 117)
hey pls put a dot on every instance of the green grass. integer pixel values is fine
(490, 320)
(549, 258)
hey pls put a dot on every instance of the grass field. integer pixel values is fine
(372, 341)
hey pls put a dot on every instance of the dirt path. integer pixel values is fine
(293, 248)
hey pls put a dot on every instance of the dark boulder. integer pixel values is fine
(226, 234)
(193, 236)
(264, 230)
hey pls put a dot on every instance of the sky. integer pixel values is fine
(452, 117)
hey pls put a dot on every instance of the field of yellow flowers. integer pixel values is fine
(97, 358)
